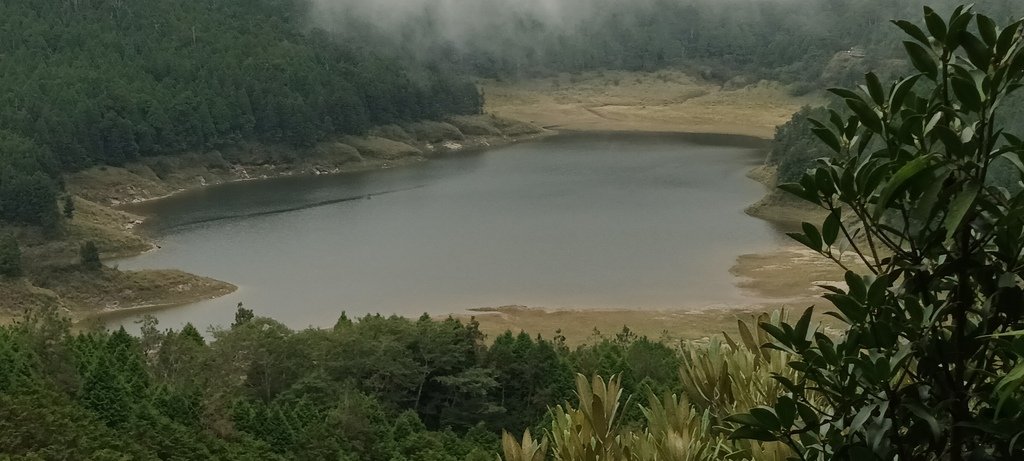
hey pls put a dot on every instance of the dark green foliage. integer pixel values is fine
(242, 316)
(377, 389)
(89, 256)
(531, 375)
(10, 256)
(104, 83)
(931, 365)
(101, 83)
(373, 389)
(28, 189)
(642, 364)
(69, 207)
(795, 148)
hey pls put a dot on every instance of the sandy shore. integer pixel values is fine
(785, 278)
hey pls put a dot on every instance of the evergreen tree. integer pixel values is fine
(89, 256)
(69, 207)
(10, 256)
(242, 316)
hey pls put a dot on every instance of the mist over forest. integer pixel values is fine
(788, 40)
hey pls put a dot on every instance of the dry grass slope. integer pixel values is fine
(664, 101)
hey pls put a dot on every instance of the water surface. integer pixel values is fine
(574, 221)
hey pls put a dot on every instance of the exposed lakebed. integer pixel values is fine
(573, 221)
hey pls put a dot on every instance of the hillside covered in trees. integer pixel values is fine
(376, 389)
(103, 82)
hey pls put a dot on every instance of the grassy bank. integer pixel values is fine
(382, 147)
(53, 276)
(664, 101)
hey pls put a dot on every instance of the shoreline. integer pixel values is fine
(491, 319)
(477, 143)
(122, 203)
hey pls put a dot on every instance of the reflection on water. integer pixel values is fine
(577, 221)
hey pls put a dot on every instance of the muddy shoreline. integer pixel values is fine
(106, 196)
(781, 276)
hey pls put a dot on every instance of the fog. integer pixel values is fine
(459, 20)
(790, 40)
(462, 20)
(539, 30)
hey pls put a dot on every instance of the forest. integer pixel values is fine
(373, 389)
(101, 82)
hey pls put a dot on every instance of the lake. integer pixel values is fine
(589, 221)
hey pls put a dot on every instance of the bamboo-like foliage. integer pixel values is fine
(590, 432)
(530, 450)
(719, 377)
(679, 432)
(724, 376)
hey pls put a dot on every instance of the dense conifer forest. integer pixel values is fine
(374, 389)
(99, 82)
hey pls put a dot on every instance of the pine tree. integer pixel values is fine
(242, 316)
(69, 207)
(10, 257)
(90, 256)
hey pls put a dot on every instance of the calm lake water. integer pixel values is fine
(573, 221)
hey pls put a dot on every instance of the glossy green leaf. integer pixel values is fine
(813, 237)
(977, 51)
(957, 24)
(856, 286)
(825, 182)
(752, 433)
(900, 91)
(766, 418)
(830, 228)
(803, 325)
(828, 137)
(862, 417)
(988, 30)
(850, 308)
(898, 181)
(928, 417)
(867, 116)
(844, 93)
(785, 409)
(745, 419)
(922, 59)
(936, 26)
(799, 191)
(1007, 38)
(968, 94)
(958, 209)
(807, 414)
(912, 30)
(875, 90)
